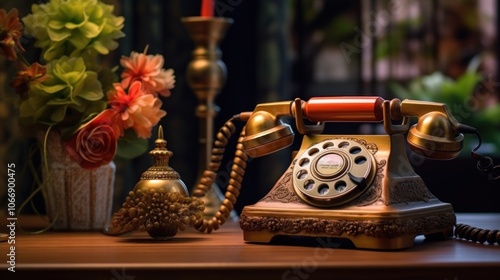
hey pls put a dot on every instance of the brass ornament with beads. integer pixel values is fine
(160, 202)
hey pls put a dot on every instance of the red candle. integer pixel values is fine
(207, 8)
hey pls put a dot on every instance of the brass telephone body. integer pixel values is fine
(359, 187)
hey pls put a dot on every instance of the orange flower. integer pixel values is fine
(11, 30)
(137, 109)
(94, 143)
(35, 73)
(149, 70)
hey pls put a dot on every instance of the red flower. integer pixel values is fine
(149, 70)
(11, 30)
(137, 109)
(35, 73)
(94, 143)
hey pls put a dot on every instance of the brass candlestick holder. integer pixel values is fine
(206, 75)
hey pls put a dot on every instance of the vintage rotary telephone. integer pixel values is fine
(359, 187)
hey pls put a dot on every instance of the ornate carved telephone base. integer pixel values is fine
(356, 187)
(379, 201)
(359, 187)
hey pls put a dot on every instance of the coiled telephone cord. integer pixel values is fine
(486, 167)
(238, 171)
(475, 234)
(485, 164)
(209, 175)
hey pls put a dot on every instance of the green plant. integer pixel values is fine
(470, 98)
(98, 112)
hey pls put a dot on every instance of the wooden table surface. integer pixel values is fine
(224, 255)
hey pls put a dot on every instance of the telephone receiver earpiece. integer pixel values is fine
(265, 133)
(436, 134)
(435, 137)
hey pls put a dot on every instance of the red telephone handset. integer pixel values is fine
(344, 109)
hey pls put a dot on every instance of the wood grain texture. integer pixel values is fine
(224, 255)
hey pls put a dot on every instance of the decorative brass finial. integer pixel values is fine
(159, 202)
(161, 158)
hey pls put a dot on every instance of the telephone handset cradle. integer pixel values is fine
(358, 187)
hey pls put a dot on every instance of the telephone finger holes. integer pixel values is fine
(360, 160)
(313, 151)
(302, 174)
(323, 189)
(303, 162)
(322, 174)
(340, 186)
(343, 144)
(309, 185)
(328, 145)
(355, 150)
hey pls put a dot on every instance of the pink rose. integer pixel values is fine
(94, 143)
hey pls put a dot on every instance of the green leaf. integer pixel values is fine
(466, 84)
(67, 132)
(73, 76)
(59, 101)
(131, 146)
(92, 88)
(55, 24)
(58, 114)
(79, 40)
(490, 115)
(52, 51)
(51, 88)
(57, 35)
(93, 109)
(100, 47)
(90, 30)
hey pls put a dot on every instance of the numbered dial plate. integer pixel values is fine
(333, 172)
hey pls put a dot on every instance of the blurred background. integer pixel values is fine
(436, 50)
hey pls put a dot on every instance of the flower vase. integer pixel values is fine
(75, 198)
